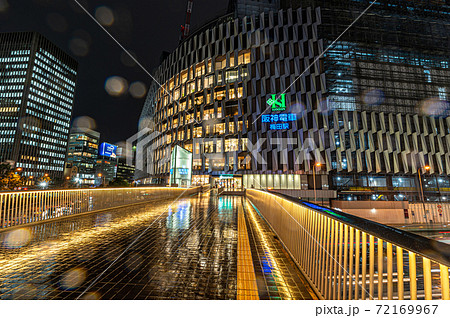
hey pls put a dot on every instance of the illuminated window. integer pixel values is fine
(209, 147)
(184, 77)
(197, 164)
(244, 163)
(231, 76)
(197, 132)
(231, 127)
(244, 58)
(231, 145)
(219, 129)
(209, 66)
(209, 81)
(236, 93)
(218, 164)
(240, 126)
(208, 114)
(232, 62)
(188, 147)
(200, 70)
(220, 94)
(244, 144)
(199, 100)
(231, 162)
(191, 87)
(221, 63)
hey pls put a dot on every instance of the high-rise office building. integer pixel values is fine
(261, 100)
(125, 171)
(82, 154)
(37, 86)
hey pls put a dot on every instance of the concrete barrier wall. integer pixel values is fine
(396, 212)
(385, 212)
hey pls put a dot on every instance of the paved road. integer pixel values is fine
(202, 247)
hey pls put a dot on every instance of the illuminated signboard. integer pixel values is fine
(276, 118)
(281, 126)
(108, 150)
(277, 104)
(183, 171)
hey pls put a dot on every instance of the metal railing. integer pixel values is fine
(346, 257)
(20, 208)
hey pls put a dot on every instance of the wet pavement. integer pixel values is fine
(186, 251)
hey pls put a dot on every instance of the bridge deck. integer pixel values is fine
(203, 247)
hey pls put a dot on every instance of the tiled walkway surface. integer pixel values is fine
(187, 251)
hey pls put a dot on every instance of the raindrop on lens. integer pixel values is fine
(17, 238)
(73, 278)
(104, 15)
(138, 90)
(79, 47)
(4, 5)
(116, 86)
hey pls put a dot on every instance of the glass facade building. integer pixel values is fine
(82, 154)
(371, 106)
(37, 86)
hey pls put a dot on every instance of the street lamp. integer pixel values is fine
(421, 187)
(101, 178)
(317, 165)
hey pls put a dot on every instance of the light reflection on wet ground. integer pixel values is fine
(188, 253)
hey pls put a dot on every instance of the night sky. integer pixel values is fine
(146, 28)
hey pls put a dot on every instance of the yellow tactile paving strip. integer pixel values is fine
(246, 279)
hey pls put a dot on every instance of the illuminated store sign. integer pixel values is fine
(275, 118)
(277, 104)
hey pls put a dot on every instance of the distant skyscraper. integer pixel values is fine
(82, 154)
(37, 86)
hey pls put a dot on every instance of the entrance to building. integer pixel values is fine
(228, 182)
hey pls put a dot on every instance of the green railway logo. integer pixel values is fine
(277, 104)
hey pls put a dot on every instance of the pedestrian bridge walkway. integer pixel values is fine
(200, 247)
(161, 243)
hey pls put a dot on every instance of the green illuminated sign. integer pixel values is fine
(226, 176)
(277, 104)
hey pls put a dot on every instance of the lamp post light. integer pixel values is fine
(101, 179)
(317, 165)
(421, 187)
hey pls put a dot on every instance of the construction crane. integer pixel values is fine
(186, 28)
